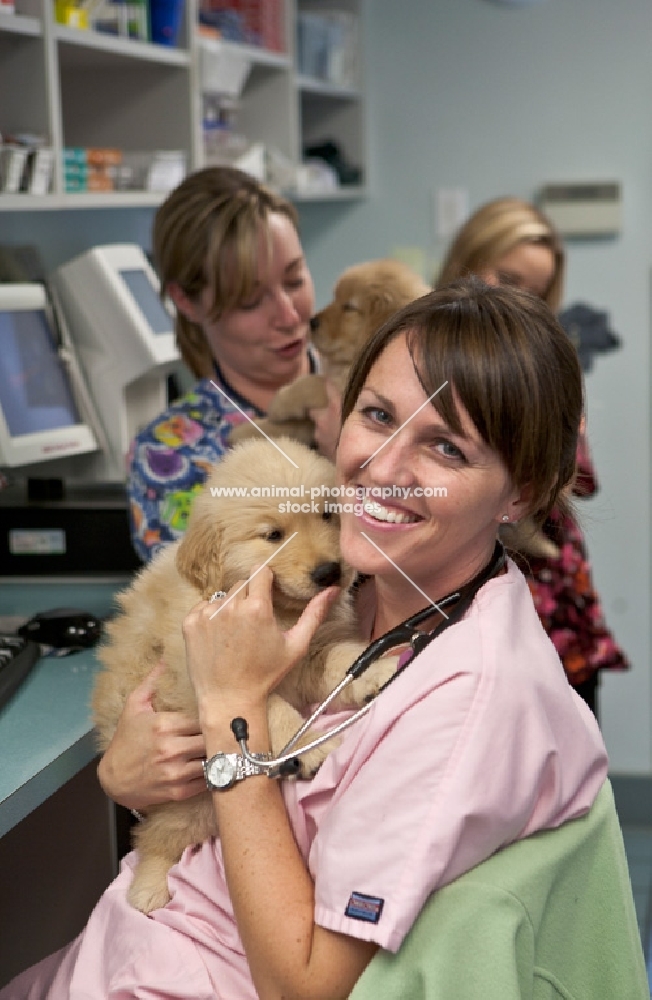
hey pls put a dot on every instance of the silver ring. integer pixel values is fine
(217, 596)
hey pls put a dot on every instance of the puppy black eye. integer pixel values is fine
(275, 535)
(327, 516)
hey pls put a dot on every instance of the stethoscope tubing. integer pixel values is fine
(286, 763)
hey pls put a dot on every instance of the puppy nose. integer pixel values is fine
(326, 574)
(314, 323)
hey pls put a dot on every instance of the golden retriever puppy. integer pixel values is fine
(365, 296)
(227, 536)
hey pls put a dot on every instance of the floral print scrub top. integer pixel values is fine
(170, 458)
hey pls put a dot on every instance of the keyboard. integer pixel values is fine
(17, 657)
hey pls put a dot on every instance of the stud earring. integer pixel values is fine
(505, 517)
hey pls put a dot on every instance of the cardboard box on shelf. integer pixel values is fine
(99, 156)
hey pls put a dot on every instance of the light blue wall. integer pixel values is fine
(474, 94)
(62, 235)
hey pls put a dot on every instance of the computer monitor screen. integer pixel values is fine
(34, 393)
(147, 299)
(39, 416)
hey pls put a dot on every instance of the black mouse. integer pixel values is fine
(63, 628)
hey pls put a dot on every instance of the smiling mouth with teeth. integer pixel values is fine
(380, 513)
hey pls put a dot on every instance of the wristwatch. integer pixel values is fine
(224, 769)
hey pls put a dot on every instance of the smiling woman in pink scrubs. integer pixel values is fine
(479, 741)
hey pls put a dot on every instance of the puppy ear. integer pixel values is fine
(199, 556)
(380, 305)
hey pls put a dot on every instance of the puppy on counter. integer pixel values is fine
(226, 537)
(365, 296)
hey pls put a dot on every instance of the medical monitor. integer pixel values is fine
(40, 416)
(123, 336)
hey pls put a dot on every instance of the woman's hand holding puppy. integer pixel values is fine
(154, 756)
(237, 654)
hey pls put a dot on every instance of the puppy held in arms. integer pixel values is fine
(365, 296)
(227, 537)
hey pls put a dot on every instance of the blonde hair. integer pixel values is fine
(206, 234)
(495, 229)
(513, 369)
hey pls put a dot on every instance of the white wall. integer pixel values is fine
(496, 100)
(474, 94)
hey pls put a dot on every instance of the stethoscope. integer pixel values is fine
(406, 634)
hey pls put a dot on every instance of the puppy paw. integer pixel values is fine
(366, 687)
(148, 897)
(149, 887)
(293, 401)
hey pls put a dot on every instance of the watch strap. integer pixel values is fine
(247, 769)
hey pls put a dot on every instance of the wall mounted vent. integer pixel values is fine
(583, 209)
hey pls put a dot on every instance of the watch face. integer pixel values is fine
(221, 770)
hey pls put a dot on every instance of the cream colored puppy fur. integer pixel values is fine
(365, 296)
(225, 539)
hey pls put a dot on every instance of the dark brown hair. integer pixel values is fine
(512, 368)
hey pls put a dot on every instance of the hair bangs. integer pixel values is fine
(501, 356)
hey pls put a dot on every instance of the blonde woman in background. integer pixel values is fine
(510, 242)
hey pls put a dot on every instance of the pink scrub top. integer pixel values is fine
(480, 741)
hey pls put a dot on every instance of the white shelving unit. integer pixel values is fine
(81, 88)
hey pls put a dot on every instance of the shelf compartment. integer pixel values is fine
(145, 107)
(23, 74)
(324, 119)
(265, 91)
(83, 48)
